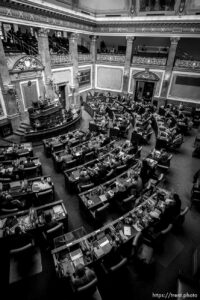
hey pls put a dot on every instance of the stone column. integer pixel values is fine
(93, 53)
(169, 66)
(8, 90)
(73, 51)
(43, 48)
(127, 65)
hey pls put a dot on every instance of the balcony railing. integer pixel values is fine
(84, 57)
(60, 59)
(153, 61)
(187, 64)
(111, 58)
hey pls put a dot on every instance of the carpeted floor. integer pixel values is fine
(130, 283)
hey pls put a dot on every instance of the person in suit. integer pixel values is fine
(49, 222)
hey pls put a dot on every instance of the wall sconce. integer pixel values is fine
(72, 88)
(126, 73)
(1, 33)
(132, 9)
(78, 76)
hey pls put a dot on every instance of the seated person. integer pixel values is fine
(138, 184)
(84, 275)
(49, 222)
(7, 201)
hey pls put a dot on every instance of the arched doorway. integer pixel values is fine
(145, 85)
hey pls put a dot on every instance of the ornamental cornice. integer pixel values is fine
(42, 19)
(151, 28)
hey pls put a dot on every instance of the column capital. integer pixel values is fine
(174, 40)
(43, 32)
(73, 36)
(93, 38)
(130, 39)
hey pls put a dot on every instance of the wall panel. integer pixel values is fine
(109, 78)
(184, 87)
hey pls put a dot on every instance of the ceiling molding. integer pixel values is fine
(184, 26)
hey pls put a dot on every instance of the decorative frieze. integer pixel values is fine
(155, 61)
(187, 64)
(111, 58)
(60, 59)
(84, 57)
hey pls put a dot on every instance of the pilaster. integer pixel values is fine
(8, 90)
(73, 50)
(93, 52)
(169, 66)
(127, 64)
(43, 48)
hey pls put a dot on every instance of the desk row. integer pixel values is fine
(94, 246)
(34, 218)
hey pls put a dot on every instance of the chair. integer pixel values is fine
(23, 253)
(44, 197)
(110, 175)
(122, 261)
(186, 286)
(30, 172)
(8, 210)
(52, 233)
(89, 156)
(178, 221)
(161, 236)
(69, 165)
(101, 212)
(127, 203)
(195, 198)
(120, 169)
(88, 290)
(85, 187)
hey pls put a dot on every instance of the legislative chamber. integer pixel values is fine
(100, 149)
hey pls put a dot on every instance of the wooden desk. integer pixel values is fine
(32, 220)
(92, 251)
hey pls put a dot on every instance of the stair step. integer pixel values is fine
(25, 126)
(21, 130)
(18, 133)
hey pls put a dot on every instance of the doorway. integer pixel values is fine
(144, 90)
(62, 96)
